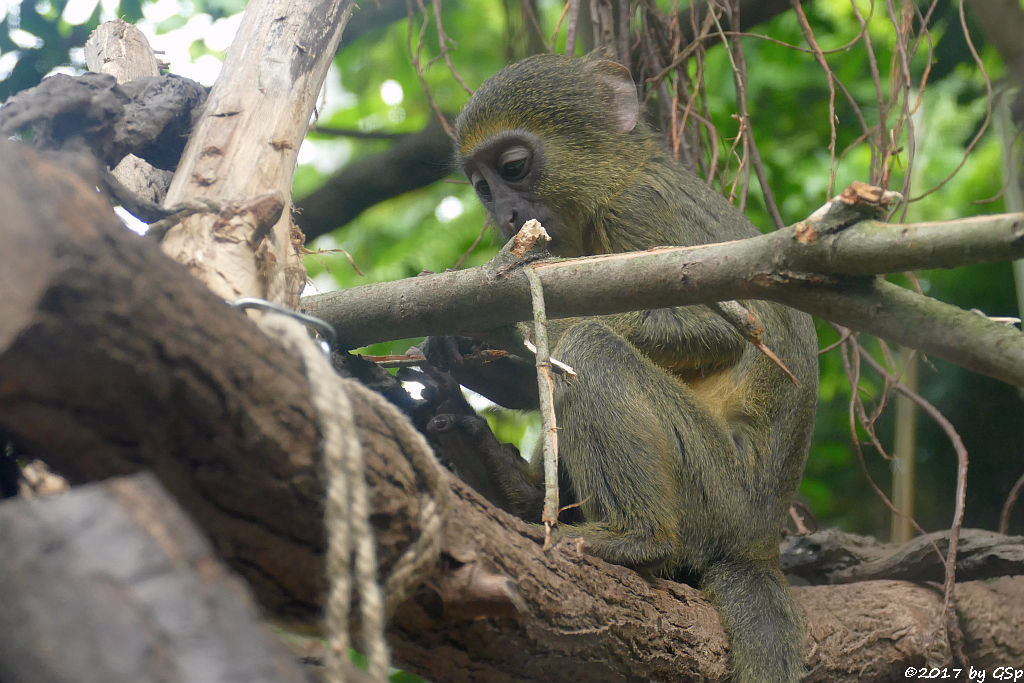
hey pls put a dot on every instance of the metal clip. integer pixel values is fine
(326, 337)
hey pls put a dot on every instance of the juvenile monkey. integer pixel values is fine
(682, 443)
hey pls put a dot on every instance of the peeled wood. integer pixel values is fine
(113, 360)
(244, 145)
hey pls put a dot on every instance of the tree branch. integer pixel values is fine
(414, 161)
(244, 145)
(118, 562)
(828, 276)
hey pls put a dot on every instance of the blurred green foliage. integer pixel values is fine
(788, 95)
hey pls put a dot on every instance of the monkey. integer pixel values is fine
(681, 444)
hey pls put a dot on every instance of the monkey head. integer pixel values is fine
(556, 139)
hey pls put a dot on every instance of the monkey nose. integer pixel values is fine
(512, 223)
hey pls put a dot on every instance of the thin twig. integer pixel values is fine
(851, 365)
(988, 106)
(442, 40)
(952, 624)
(808, 32)
(573, 7)
(414, 58)
(408, 360)
(1011, 500)
(740, 317)
(547, 406)
(739, 63)
(472, 247)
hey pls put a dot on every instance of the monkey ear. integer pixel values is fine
(620, 92)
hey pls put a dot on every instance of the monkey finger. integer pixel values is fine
(442, 352)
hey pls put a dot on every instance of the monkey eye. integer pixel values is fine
(514, 163)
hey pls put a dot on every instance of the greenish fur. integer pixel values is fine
(683, 443)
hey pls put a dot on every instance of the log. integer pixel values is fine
(111, 582)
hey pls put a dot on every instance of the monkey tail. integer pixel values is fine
(766, 634)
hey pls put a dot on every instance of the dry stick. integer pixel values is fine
(740, 317)
(851, 365)
(157, 229)
(979, 63)
(472, 247)
(547, 407)
(442, 41)
(900, 67)
(530, 20)
(739, 64)
(414, 359)
(876, 77)
(952, 624)
(808, 32)
(1011, 500)
(798, 522)
(573, 6)
(623, 30)
(414, 57)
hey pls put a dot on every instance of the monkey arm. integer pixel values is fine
(683, 339)
(509, 381)
(494, 469)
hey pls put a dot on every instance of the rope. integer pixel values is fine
(424, 552)
(347, 516)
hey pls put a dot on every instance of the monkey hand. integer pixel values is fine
(466, 444)
(446, 352)
(441, 392)
(491, 367)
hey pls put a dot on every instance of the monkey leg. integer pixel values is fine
(659, 478)
(666, 484)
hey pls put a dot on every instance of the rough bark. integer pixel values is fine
(93, 114)
(121, 584)
(113, 360)
(121, 50)
(833, 556)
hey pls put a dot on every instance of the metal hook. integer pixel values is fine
(327, 337)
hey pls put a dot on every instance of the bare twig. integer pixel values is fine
(573, 8)
(740, 317)
(472, 247)
(805, 26)
(952, 624)
(414, 359)
(442, 40)
(414, 58)
(547, 406)
(1011, 500)
(739, 64)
